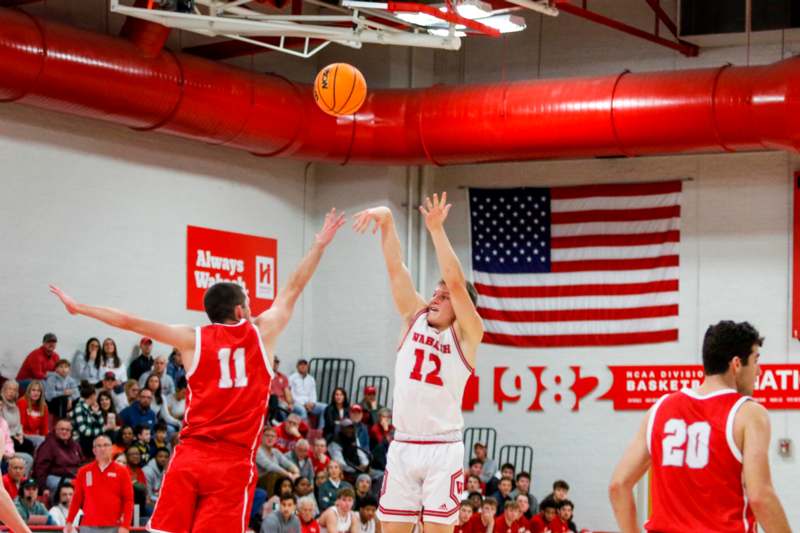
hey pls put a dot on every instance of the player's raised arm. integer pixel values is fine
(629, 471)
(272, 321)
(755, 462)
(406, 299)
(470, 323)
(181, 337)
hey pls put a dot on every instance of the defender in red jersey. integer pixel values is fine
(209, 483)
(708, 449)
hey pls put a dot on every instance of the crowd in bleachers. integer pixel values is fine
(318, 462)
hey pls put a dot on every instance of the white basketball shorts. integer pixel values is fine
(422, 478)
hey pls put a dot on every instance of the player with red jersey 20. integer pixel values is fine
(210, 480)
(708, 448)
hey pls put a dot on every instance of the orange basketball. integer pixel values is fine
(340, 89)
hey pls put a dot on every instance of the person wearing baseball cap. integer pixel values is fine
(304, 391)
(39, 362)
(28, 505)
(362, 430)
(370, 405)
(143, 363)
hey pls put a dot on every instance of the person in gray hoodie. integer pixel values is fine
(154, 472)
(60, 390)
(285, 520)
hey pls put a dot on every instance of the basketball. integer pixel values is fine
(340, 89)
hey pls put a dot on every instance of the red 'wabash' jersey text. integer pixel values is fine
(697, 467)
(229, 386)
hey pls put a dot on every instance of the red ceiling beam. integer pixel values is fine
(687, 49)
(662, 16)
(447, 16)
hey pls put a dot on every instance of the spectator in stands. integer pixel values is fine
(109, 361)
(523, 486)
(370, 405)
(28, 505)
(340, 516)
(40, 361)
(465, 512)
(335, 412)
(489, 465)
(382, 431)
(15, 476)
(104, 492)
(175, 368)
(344, 450)
(107, 382)
(506, 471)
(159, 369)
(87, 419)
(83, 362)
(362, 490)
(288, 433)
(58, 457)
(133, 458)
(473, 484)
(510, 521)
(306, 511)
(476, 499)
(9, 395)
(328, 490)
(560, 490)
(283, 521)
(319, 479)
(320, 456)
(540, 523)
(271, 460)
(361, 429)
(304, 490)
(154, 472)
(301, 457)
(142, 442)
(304, 394)
(503, 494)
(525, 506)
(33, 412)
(483, 522)
(282, 485)
(381, 434)
(366, 515)
(142, 363)
(280, 389)
(60, 510)
(159, 439)
(105, 401)
(176, 404)
(565, 512)
(139, 412)
(125, 439)
(60, 390)
(128, 395)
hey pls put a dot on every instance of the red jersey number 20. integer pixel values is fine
(685, 445)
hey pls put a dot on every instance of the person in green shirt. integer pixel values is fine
(28, 505)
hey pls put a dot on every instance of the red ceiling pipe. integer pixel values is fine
(149, 37)
(51, 66)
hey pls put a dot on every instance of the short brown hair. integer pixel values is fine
(489, 501)
(346, 492)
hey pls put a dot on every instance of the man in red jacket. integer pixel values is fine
(509, 521)
(40, 361)
(58, 457)
(545, 520)
(103, 489)
(15, 476)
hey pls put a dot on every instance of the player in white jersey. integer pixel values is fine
(424, 470)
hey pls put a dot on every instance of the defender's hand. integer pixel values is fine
(435, 212)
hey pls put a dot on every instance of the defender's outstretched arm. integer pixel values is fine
(181, 337)
(629, 471)
(271, 322)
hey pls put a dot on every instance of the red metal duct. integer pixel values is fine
(51, 66)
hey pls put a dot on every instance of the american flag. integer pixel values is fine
(593, 265)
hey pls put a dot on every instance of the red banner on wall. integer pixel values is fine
(639, 387)
(213, 256)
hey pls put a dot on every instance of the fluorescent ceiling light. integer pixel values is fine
(504, 23)
(367, 5)
(420, 19)
(474, 9)
(442, 32)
